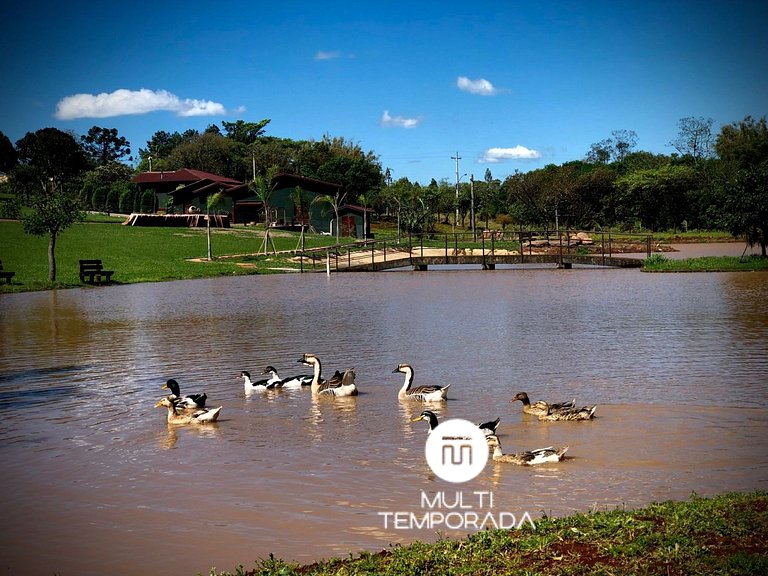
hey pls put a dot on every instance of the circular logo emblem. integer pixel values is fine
(456, 450)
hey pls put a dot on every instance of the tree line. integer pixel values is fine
(711, 181)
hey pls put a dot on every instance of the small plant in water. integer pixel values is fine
(655, 260)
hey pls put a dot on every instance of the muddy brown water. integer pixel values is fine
(94, 481)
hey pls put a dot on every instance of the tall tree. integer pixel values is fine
(103, 145)
(47, 185)
(745, 143)
(208, 152)
(8, 156)
(694, 138)
(743, 148)
(245, 132)
(613, 149)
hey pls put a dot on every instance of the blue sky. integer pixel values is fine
(507, 85)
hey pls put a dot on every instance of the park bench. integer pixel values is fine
(5, 275)
(92, 272)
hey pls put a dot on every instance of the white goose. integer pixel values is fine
(291, 381)
(338, 385)
(258, 386)
(423, 393)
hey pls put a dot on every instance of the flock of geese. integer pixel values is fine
(191, 409)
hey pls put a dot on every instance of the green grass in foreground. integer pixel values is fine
(724, 535)
(659, 263)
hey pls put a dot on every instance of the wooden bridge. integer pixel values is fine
(515, 248)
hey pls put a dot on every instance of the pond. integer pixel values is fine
(96, 481)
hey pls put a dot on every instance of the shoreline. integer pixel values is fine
(723, 534)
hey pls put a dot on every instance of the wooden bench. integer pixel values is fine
(5, 275)
(92, 272)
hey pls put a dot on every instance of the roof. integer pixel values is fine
(286, 180)
(354, 208)
(185, 175)
(206, 187)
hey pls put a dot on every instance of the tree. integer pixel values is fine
(743, 148)
(101, 183)
(103, 145)
(624, 142)
(613, 149)
(47, 185)
(744, 144)
(208, 152)
(213, 203)
(694, 138)
(746, 206)
(264, 187)
(657, 198)
(8, 156)
(245, 132)
(335, 203)
(159, 148)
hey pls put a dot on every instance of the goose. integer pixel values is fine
(540, 407)
(290, 382)
(204, 416)
(488, 428)
(423, 393)
(563, 414)
(189, 401)
(259, 386)
(339, 385)
(528, 458)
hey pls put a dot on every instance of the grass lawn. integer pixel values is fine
(659, 263)
(139, 254)
(724, 535)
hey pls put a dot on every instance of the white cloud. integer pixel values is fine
(495, 155)
(327, 55)
(480, 86)
(399, 121)
(122, 102)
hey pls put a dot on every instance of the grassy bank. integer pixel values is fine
(146, 254)
(659, 263)
(727, 534)
(140, 254)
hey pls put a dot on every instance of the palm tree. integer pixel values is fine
(264, 187)
(213, 203)
(334, 202)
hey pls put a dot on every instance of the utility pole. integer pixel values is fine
(472, 204)
(456, 216)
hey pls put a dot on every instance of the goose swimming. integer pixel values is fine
(204, 416)
(423, 393)
(488, 428)
(338, 385)
(189, 401)
(528, 458)
(540, 407)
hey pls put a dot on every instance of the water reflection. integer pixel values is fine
(675, 363)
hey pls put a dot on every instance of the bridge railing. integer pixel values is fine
(486, 243)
